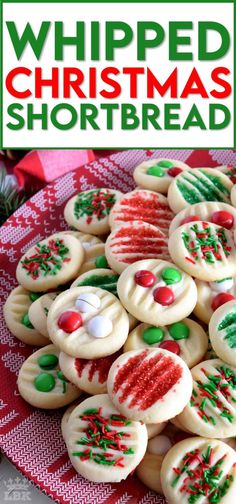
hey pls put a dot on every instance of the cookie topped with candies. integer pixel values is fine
(157, 292)
(157, 174)
(222, 214)
(211, 295)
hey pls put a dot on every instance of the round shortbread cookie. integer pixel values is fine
(233, 195)
(222, 332)
(228, 170)
(89, 375)
(205, 251)
(94, 258)
(87, 240)
(50, 263)
(197, 185)
(106, 279)
(66, 415)
(186, 339)
(153, 429)
(135, 241)
(157, 174)
(115, 452)
(221, 214)
(211, 295)
(16, 314)
(141, 205)
(41, 382)
(211, 411)
(88, 211)
(157, 292)
(147, 385)
(199, 470)
(88, 322)
(38, 312)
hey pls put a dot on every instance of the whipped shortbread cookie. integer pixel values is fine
(197, 185)
(52, 262)
(16, 314)
(117, 448)
(147, 385)
(41, 382)
(185, 338)
(157, 174)
(222, 332)
(38, 312)
(204, 250)
(211, 295)
(88, 211)
(222, 214)
(87, 240)
(229, 170)
(94, 258)
(157, 292)
(133, 242)
(199, 470)
(141, 205)
(88, 322)
(211, 411)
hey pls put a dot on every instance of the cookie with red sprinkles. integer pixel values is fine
(199, 470)
(103, 445)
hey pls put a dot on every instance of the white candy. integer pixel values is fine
(99, 327)
(87, 302)
(159, 445)
(86, 245)
(223, 286)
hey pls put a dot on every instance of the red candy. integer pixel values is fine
(223, 218)
(220, 299)
(173, 172)
(145, 278)
(190, 218)
(164, 296)
(172, 346)
(69, 321)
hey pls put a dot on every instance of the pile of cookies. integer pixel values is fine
(134, 308)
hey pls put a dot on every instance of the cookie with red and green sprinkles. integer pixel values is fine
(157, 174)
(204, 250)
(212, 295)
(16, 314)
(211, 411)
(89, 211)
(41, 382)
(185, 338)
(50, 263)
(229, 170)
(199, 470)
(222, 214)
(198, 185)
(233, 196)
(222, 332)
(103, 445)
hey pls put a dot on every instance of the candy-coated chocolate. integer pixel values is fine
(179, 331)
(223, 218)
(153, 335)
(190, 218)
(26, 321)
(99, 326)
(165, 163)
(173, 172)
(87, 302)
(222, 285)
(163, 296)
(69, 321)
(145, 278)
(220, 299)
(101, 262)
(171, 276)
(48, 361)
(172, 346)
(156, 171)
(34, 295)
(44, 382)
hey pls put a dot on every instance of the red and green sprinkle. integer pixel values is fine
(101, 433)
(48, 259)
(96, 203)
(208, 243)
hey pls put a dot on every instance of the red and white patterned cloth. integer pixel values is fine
(31, 438)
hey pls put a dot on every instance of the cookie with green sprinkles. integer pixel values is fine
(197, 185)
(103, 445)
(222, 332)
(16, 314)
(41, 382)
(52, 262)
(88, 211)
(185, 338)
(199, 470)
(211, 411)
(157, 174)
(204, 250)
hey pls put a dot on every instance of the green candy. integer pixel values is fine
(44, 382)
(156, 171)
(48, 361)
(153, 335)
(171, 276)
(101, 262)
(179, 331)
(61, 376)
(34, 296)
(165, 163)
(26, 321)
